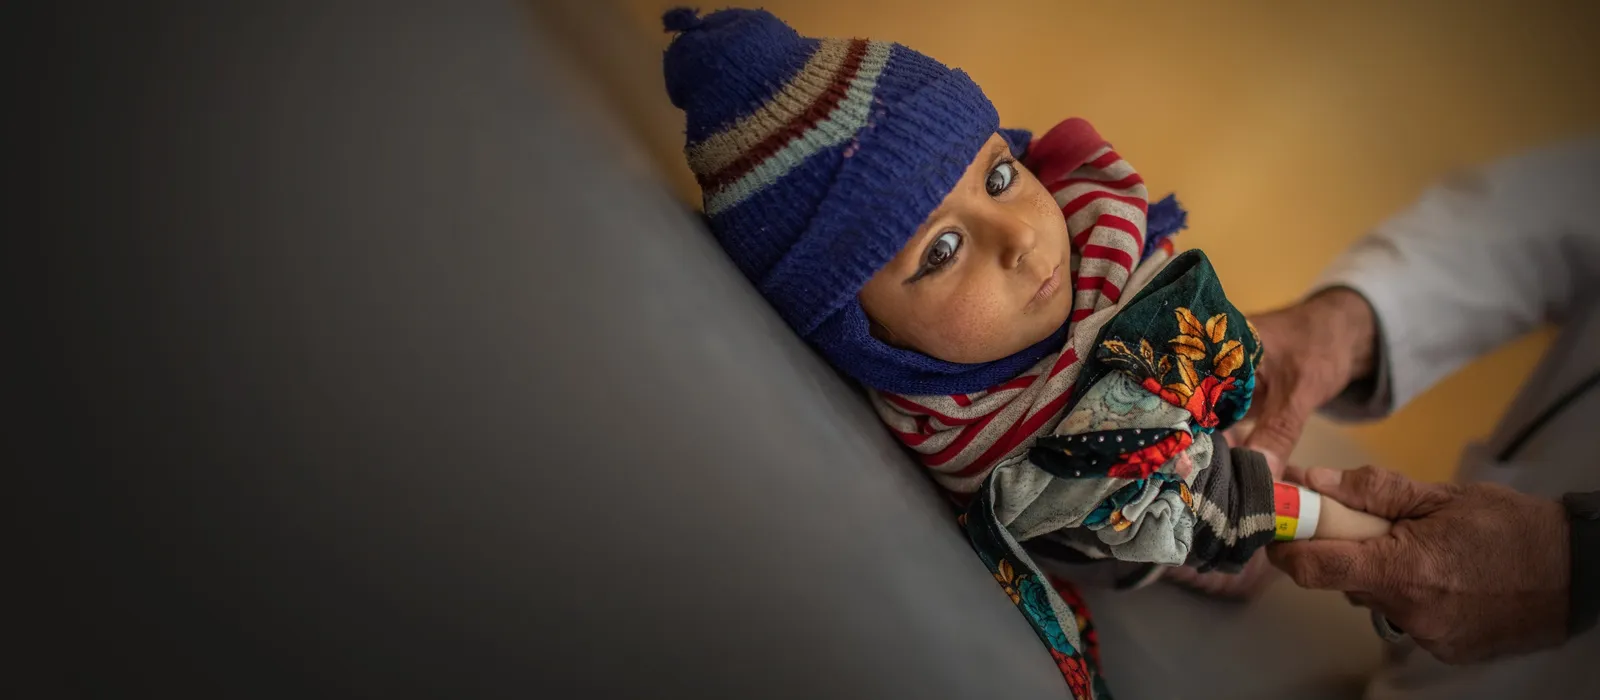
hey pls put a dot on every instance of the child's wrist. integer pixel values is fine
(1302, 514)
(1297, 511)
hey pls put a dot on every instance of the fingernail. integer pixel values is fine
(1323, 478)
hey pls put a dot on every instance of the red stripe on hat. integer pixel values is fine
(818, 110)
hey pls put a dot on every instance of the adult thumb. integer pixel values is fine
(1380, 492)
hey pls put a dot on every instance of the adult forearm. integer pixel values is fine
(1475, 262)
(1353, 330)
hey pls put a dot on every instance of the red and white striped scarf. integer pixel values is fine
(962, 437)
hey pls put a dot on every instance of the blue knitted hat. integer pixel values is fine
(818, 159)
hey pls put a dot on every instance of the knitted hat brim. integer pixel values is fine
(894, 174)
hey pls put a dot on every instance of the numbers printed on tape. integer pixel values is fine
(1286, 528)
(1290, 505)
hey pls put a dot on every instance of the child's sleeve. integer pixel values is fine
(1233, 508)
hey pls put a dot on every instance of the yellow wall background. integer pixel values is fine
(1287, 128)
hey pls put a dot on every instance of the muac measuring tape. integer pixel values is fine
(1295, 511)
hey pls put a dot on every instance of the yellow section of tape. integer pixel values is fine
(1286, 528)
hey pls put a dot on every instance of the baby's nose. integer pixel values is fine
(1017, 239)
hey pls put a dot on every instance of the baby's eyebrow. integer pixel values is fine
(993, 151)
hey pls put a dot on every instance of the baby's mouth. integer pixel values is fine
(1048, 288)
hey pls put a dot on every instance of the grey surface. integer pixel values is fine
(1163, 642)
(378, 373)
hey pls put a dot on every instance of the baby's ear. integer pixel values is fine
(1018, 140)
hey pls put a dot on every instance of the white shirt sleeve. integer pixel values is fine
(1477, 261)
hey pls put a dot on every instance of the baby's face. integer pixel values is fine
(986, 276)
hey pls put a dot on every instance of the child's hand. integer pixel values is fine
(1239, 434)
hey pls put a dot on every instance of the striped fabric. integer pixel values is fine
(962, 437)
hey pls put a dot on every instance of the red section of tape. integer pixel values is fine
(1285, 500)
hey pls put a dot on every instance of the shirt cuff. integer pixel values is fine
(1234, 508)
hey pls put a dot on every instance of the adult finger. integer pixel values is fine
(1278, 428)
(1293, 474)
(1338, 565)
(1380, 492)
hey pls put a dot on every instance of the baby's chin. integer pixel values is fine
(1047, 325)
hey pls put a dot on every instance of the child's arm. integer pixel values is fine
(1301, 514)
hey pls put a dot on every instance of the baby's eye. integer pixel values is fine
(943, 249)
(1000, 178)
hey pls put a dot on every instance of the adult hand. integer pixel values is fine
(1472, 572)
(1313, 350)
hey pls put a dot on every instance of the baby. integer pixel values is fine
(1013, 305)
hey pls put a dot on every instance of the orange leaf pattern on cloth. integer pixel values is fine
(1008, 581)
(1229, 358)
(1187, 374)
(1188, 324)
(1217, 327)
(1200, 369)
(1189, 346)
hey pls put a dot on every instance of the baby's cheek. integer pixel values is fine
(1048, 216)
(971, 325)
(1044, 202)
